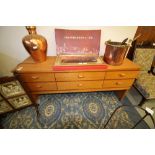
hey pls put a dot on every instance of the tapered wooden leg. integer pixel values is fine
(34, 98)
(37, 110)
(121, 94)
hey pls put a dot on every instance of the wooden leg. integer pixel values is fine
(37, 110)
(34, 99)
(121, 94)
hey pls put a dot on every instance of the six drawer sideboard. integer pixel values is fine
(40, 78)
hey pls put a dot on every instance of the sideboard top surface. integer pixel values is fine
(29, 66)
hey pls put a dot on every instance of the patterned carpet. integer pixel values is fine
(73, 111)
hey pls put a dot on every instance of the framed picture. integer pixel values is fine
(12, 95)
(20, 101)
(4, 107)
(0, 98)
(10, 89)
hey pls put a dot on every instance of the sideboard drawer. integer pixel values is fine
(117, 83)
(121, 75)
(37, 77)
(79, 76)
(41, 86)
(79, 85)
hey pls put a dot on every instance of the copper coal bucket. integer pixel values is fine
(115, 52)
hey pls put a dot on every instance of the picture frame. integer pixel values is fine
(12, 95)
(1, 98)
(11, 89)
(20, 101)
(4, 107)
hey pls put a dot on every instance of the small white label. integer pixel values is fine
(150, 111)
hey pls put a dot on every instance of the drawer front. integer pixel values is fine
(79, 85)
(79, 76)
(37, 77)
(41, 86)
(121, 75)
(117, 83)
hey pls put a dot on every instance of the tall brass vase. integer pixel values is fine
(35, 44)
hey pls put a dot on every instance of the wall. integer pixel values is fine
(12, 51)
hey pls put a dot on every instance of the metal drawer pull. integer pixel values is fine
(119, 83)
(35, 77)
(39, 86)
(80, 76)
(122, 75)
(80, 84)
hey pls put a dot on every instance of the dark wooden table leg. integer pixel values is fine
(121, 94)
(37, 110)
(34, 98)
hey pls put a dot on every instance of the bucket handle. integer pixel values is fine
(130, 43)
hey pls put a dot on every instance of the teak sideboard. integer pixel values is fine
(40, 78)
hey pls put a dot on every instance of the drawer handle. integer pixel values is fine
(80, 85)
(122, 75)
(80, 76)
(35, 77)
(39, 86)
(119, 83)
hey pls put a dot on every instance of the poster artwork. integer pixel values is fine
(77, 42)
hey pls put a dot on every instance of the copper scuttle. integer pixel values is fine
(115, 52)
